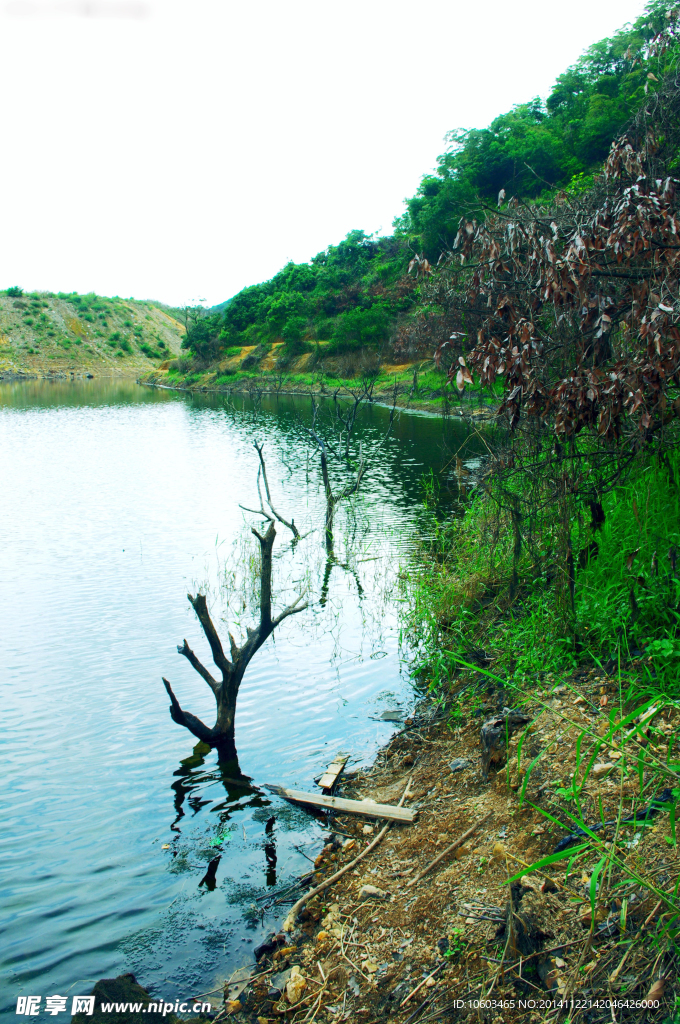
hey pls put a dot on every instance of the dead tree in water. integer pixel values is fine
(221, 736)
(261, 511)
(333, 500)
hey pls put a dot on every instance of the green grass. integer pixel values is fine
(626, 597)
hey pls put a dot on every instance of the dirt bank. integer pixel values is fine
(382, 941)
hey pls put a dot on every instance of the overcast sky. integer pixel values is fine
(181, 149)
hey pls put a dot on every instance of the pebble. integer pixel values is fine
(372, 891)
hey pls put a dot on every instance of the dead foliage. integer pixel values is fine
(573, 305)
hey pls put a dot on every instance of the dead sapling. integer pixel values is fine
(225, 690)
(261, 511)
(495, 737)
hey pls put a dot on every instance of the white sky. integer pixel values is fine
(181, 150)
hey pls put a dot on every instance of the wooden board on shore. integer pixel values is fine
(332, 773)
(335, 803)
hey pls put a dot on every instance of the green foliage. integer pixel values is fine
(626, 594)
(354, 293)
(203, 339)
(537, 145)
(350, 294)
(361, 328)
(15, 292)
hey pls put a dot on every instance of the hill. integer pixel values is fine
(41, 332)
(358, 296)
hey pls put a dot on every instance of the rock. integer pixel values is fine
(372, 892)
(531, 882)
(266, 947)
(367, 831)
(278, 984)
(459, 764)
(123, 989)
(295, 986)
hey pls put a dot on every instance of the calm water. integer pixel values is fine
(116, 501)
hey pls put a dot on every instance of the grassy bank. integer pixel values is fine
(417, 385)
(475, 598)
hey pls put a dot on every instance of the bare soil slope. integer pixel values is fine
(42, 333)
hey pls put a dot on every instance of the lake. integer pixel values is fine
(117, 500)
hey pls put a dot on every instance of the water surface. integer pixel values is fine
(116, 501)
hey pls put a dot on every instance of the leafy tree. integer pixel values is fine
(535, 146)
(361, 327)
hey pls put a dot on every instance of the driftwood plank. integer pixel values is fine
(336, 803)
(332, 773)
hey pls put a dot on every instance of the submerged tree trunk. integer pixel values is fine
(225, 690)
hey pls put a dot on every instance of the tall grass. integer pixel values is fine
(469, 594)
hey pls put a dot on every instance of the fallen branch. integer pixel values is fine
(289, 923)
(450, 849)
(423, 982)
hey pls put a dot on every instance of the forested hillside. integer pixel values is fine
(359, 295)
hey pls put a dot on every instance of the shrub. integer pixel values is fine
(179, 366)
(15, 292)
(358, 328)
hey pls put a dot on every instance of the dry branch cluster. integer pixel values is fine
(574, 305)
